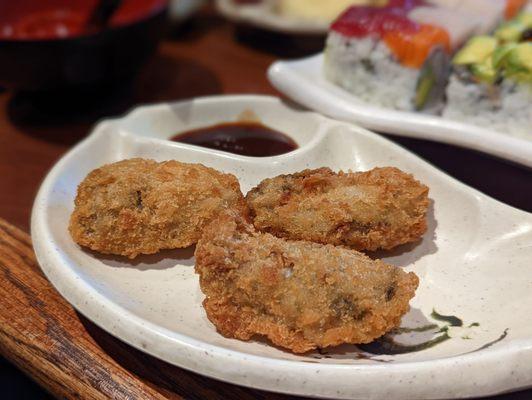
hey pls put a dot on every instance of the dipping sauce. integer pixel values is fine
(245, 138)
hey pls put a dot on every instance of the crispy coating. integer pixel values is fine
(378, 209)
(301, 295)
(140, 206)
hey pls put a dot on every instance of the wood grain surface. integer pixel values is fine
(71, 357)
(74, 359)
(39, 331)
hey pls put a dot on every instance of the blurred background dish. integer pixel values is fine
(180, 10)
(50, 44)
(318, 10)
(288, 16)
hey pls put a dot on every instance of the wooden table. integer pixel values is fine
(39, 331)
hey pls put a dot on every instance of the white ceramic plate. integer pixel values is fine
(263, 16)
(474, 262)
(303, 81)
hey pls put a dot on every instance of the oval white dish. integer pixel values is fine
(303, 81)
(263, 16)
(474, 263)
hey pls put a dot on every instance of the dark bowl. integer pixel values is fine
(33, 59)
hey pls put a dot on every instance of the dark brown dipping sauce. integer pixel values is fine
(245, 138)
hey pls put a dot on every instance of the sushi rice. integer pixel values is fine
(509, 110)
(368, 69)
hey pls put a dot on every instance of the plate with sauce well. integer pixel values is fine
(468, 332)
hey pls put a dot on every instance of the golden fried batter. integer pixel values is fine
(300, 295)
(140, 206)
(378, 209)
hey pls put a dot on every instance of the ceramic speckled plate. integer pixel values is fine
(471, 311)
(303, 81)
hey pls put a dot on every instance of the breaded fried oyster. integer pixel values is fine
(140, 206)
(300, 295)
(378, 209)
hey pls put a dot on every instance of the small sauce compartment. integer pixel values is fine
(247, 138)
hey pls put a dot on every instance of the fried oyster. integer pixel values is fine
(140, 206)
(378, 209)
(300, 295)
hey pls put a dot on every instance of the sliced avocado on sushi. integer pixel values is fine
(484, 72)
(500, 54)
(525, 18)
(432, 81)
(476, 50)
(477, 56)
(520, 57)
(518, 63)
(510, 31)
(424, 85)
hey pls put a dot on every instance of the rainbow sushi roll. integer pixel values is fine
(396, 56)
(491, 83)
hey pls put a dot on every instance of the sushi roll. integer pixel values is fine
(491, 83)
(395, 56)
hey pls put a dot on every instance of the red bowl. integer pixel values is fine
(46, 45)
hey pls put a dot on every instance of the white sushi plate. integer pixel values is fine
(303, 81)
(263, 15)
(473, 263)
